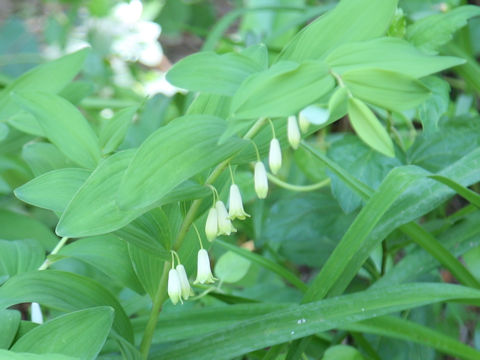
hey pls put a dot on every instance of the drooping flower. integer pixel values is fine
(275, 156)
(235, 204)
(184, 284)
(204, 273)
(211, 226)
(225, 226)
(293, 132)
(303, 122)
(260, 180)
(174, 287)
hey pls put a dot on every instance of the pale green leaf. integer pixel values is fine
(10, 320)
(282, 90)
(81, 334)
(368, 128)
(63, 291)
(43, 157)
(26, 122)
(4, 354)
(431, 32)
(342, 352)
(388, 54)
(64, 125)
(389, 90)
(231, 267)
(19, 256)
(49, 77)
(171, 155)
(113, 133)
(212, 73)
(53, 190)
(350, 21)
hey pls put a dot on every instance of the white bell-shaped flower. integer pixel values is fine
(174, 287)
(293, 132)
(303, 122)
(275, 156)
(260, 180)
(184, 284)
(235, 204)
(225, 226)
(204, 273)
(211, 226)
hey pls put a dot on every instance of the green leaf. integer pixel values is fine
(113, 133)
(148, 267)
(350, 21)
(388, 54)
(171, 155)
(231, 267)
(19, 256)
(63, 291)
(339, 268)
(409, 331)
(107, 253)
(53, 190)
(368, 128)
(43, 157)
(389, 90)
(211, 73)
(436, 105)
(14, 226)
(64, 125)
(26, 122)
(431, 32)
(4, 354)
(337, 104)
(302, 320)
(342, 352)
(80, 333)
(49, 77)
(10, 320)
(282, 90)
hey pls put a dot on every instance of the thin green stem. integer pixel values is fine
(231, 173)
(256, 150)
(161, 293)
(160, 297)
(57, 248)
(198, 236)
(272, 127)
(299, 188)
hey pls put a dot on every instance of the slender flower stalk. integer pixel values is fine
(260, 180)
(275, 156)
(235, 204)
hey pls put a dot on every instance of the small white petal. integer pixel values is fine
(204, 273)
(174, 287)
(211, 226)
(275, 156)
(235, 204)
(36, 312)
(225, 226)
(293, 133)
(184, 284)
(303, 122)
(261, 180)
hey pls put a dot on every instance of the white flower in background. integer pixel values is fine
(211, 226)
(184, 284)
(275, 156)
(36, 313)
(204, 273)
(293, 133)
(235, 204)
(225, 226)
(303, 122)
(174, 287)
(260, 180)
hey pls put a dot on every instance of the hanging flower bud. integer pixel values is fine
(303, 122)
(184, 284)
(260, 180)
(225, 226)
(235, 205)
(174, 287)
(275, 156)
(293, 133)
(204, 274)
(211, 226)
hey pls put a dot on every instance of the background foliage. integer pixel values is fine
(367, 245)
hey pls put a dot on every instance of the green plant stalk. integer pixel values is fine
(298, 188)
(161, 293)
(57, 248)
(160, 297)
